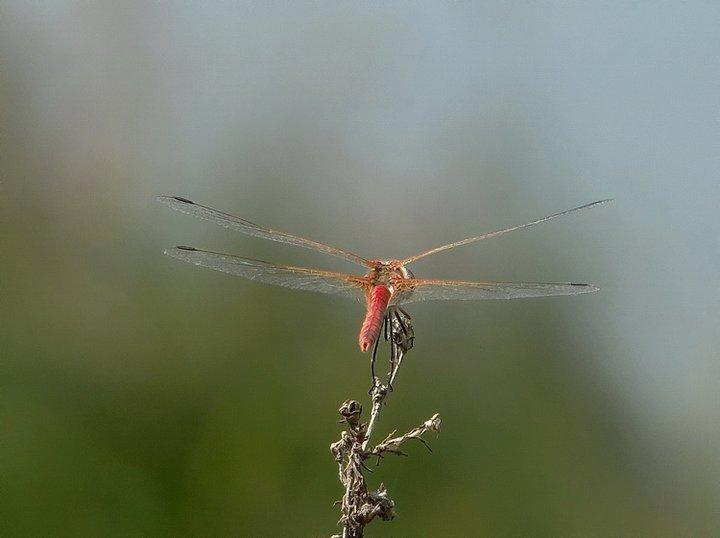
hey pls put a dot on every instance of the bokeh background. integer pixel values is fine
(145, 397)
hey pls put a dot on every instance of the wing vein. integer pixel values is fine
(250, 228)
(499, 232)
(299, 278)
(414, 290)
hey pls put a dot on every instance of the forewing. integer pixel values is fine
(298, 278)
(250, 228)
(414, 290)
(498, 232)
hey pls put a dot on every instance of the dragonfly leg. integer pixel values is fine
(400, 321)
(393, 350)
(372, 365)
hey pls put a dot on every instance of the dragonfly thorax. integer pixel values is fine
(388, 272)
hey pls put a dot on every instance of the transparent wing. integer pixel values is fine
(414, 290)
(499, 232)
(297, 278)
(245, 226)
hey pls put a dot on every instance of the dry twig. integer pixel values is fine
(359, 506)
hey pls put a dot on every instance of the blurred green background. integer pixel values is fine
(146, 397)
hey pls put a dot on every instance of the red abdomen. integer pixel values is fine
(377, 304)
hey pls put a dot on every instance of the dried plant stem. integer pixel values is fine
(359, 505)
(379, 394)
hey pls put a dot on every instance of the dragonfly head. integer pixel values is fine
(397, 269)
(390, 265)
(385, 271)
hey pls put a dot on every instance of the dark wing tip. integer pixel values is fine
(587, 288)
(166, 199)
(177, 252)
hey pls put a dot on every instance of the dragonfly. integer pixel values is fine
(385, 284)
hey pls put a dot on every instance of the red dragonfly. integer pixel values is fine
(387, 283)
